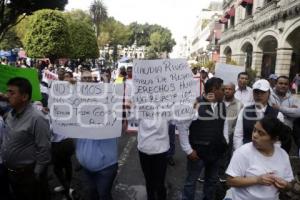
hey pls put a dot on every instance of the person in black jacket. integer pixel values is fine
(206, 142)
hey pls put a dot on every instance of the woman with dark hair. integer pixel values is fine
(259, 169)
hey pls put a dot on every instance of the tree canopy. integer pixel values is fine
(83, 41)
(47, 35)
(98, 12)
(12, 9)
(113, 33)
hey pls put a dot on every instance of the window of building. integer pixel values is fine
(226, 26)
(249, 9)
(268, 1)
(232, 21)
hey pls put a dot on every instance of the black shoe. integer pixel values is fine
(171, 161)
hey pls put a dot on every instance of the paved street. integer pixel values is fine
(130, 184)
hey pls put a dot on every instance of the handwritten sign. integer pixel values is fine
(86, 110)
(48, 76)
(163, 89)
(8, 72)
(228, 73)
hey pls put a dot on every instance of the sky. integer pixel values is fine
(179, 16)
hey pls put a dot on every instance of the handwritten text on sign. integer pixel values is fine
(163, 89)
(86, 110)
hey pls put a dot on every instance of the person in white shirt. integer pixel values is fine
(251, 113)
(243, 93)
(153, 145)
(259, 169)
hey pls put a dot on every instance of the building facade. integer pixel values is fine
(203, 44)
(263, 35)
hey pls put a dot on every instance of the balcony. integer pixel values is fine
(267, 10)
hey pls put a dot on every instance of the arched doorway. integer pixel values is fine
(294, 42)
(269, 46)
(228, 54)
(247, 49)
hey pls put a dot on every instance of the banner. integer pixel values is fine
(8, 72)
(86, 110)
(163, 89)
(228, 73)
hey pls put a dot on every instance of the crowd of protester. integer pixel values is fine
(240, 133)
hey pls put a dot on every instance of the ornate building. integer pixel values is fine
(204, 43)
(263, 35)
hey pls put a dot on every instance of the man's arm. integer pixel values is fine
(41, 129)
(292, 112)
(184, 140)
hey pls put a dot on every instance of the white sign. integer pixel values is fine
(48, 76)
(86, 110)
(163, 89)
(228, 73)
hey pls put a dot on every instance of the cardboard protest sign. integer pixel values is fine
(86, 110)
(8, 72)
(48, 76)
(227, 72)
(163, 89)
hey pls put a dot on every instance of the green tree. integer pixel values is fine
(98, 12)
(21, 28)
(162, 42)
(141, 33)
(80, 15)
(151, 53)
(113, 33)
(10, 41)
(47, 35)
(83, 41)
(12, 9)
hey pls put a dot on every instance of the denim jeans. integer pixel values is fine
(194, 169)
(100, 182)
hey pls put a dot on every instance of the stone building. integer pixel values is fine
(263, 35)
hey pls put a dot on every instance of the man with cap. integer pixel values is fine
(250, 114)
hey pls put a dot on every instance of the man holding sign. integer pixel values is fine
(99, 159)
(164, 90)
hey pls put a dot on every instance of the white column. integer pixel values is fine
(257, 61)
(241, 59)
(283, 61)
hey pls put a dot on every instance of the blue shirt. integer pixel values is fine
(95, 155)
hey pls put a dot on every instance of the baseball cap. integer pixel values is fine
(273, 76)
(262, 85)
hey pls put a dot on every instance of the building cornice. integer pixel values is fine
(263, 18)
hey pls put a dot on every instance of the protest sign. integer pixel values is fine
(227, 72)
(48, 76)
(86, 110)
(8, 72)
(163, 89)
